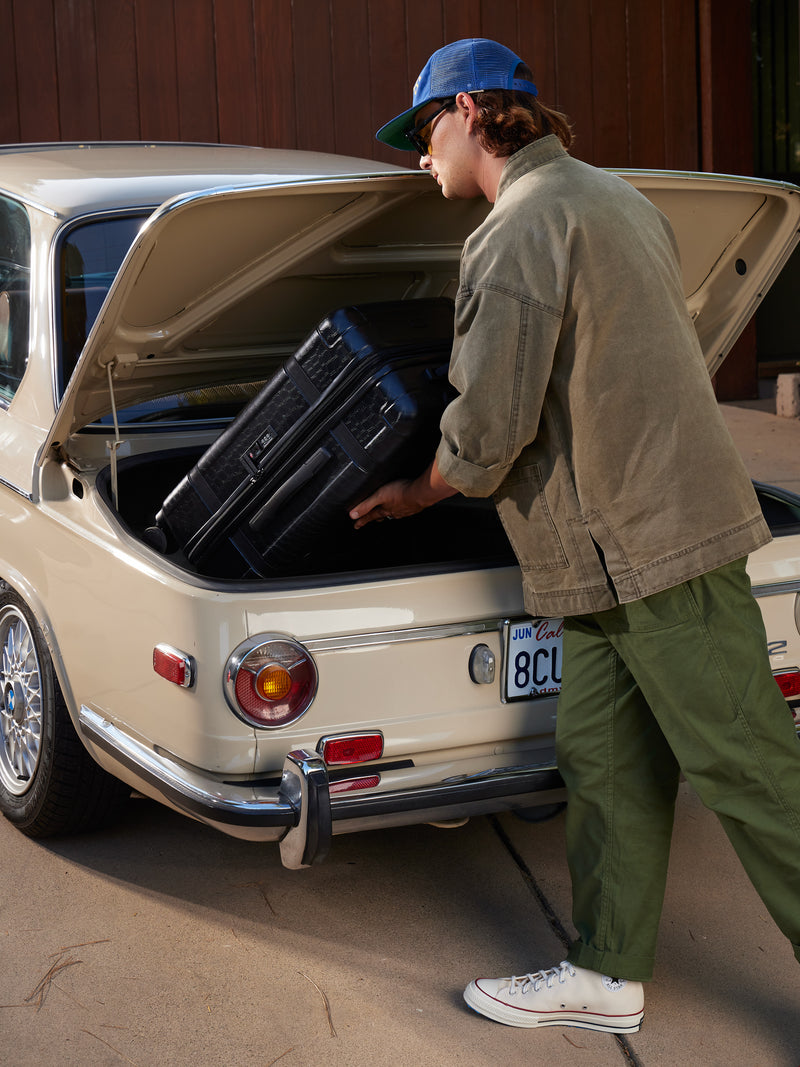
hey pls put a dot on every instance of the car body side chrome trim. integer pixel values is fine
(422, 633)
(16, 489)
(478, 627)
(778, 589)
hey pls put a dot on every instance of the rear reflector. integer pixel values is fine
(351, 748)
(355, 783)
(173, 665)
(788, 683)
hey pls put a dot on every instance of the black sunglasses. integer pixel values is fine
(416, 135)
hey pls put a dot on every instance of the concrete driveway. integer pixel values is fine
(163, 942)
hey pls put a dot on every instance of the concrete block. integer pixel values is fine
(787, 397)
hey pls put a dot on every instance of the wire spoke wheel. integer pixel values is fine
(49, 784)
(21, 707)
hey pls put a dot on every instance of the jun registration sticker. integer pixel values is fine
(533, 650)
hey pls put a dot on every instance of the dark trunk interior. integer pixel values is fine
(455, 534)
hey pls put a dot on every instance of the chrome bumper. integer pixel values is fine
(299, 811)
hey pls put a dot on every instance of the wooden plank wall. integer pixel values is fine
(324, 74)
(647, 83)
(776, 87)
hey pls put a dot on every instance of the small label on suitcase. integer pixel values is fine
(254, 457)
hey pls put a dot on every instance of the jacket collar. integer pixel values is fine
(536, 154)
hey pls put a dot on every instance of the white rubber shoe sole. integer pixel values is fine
(561, 996)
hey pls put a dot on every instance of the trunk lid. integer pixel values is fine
(217, 279)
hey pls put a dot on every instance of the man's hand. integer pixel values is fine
(392, 501)
(404, 497)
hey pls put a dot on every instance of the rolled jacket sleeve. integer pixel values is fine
(500, 366)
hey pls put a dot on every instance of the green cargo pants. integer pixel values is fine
(676, 681)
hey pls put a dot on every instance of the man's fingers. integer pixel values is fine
(369, 517)
(389, 502)
(364, 508)
(378, 503)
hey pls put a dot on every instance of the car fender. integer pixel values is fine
(11, 578)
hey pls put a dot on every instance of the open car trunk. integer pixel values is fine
(456, 534)
(220, 287)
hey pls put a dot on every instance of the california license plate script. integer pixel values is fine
(533, 657)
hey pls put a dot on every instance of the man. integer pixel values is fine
(585, 408)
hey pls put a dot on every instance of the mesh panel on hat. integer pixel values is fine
(500, 68)
(448, 70)
(448, 73)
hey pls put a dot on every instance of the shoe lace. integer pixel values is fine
(525, 982)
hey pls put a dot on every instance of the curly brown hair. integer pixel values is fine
(508, 120)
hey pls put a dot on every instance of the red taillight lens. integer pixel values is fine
(173, 665)
(352, 748)
(788, 683)
(270, 681)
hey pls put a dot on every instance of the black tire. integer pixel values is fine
(49, 784)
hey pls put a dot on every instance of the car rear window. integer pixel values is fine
(15, 271)
(91, 255)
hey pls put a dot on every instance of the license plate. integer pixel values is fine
(533, 657)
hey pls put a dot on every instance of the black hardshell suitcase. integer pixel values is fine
(357, 405)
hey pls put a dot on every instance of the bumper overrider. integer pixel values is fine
(299, 810)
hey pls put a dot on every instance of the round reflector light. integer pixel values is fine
(270, 681)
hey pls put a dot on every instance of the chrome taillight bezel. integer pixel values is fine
(252, 655)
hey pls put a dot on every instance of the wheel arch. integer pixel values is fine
(14, 581)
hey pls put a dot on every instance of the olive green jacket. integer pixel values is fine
(584, 402)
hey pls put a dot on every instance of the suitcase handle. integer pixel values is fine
(217, 527)
(291, 486)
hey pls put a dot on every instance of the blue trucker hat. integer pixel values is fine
(462, 67)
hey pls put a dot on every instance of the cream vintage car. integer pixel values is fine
(146, 291)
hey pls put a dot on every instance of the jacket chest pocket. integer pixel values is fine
(530, 526)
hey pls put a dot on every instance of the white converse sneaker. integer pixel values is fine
(560, 996)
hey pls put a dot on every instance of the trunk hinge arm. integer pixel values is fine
(114, 445)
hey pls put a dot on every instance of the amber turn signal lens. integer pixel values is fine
(273, 682)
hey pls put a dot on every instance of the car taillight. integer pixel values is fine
(351, 748)
(788, 682)
(270, 681)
